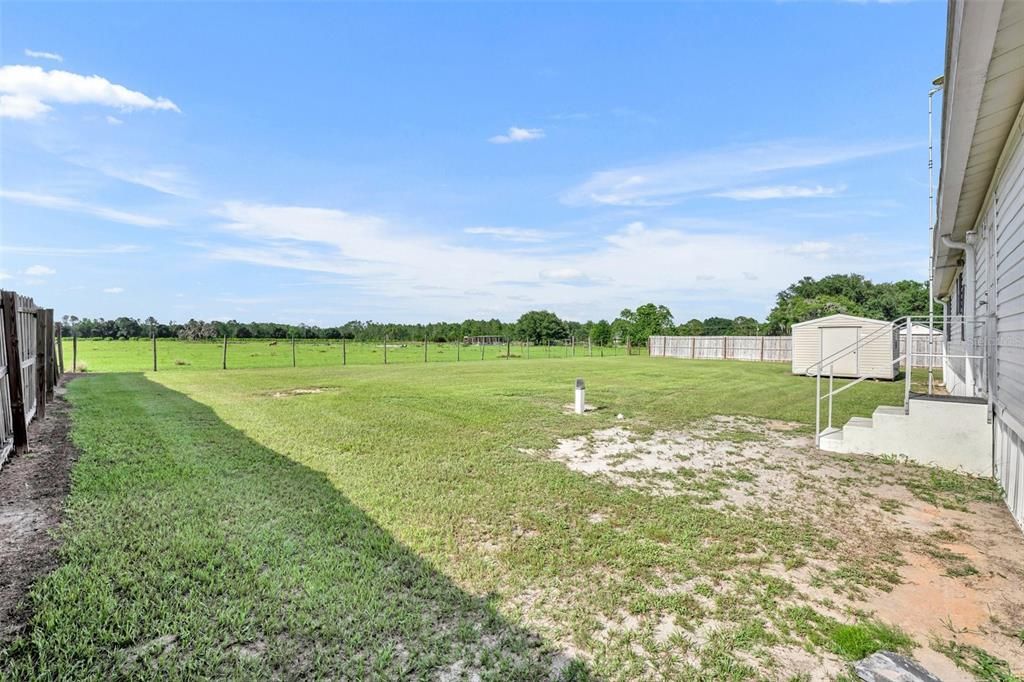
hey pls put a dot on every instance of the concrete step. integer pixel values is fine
(889, 411)
(831, 440)
(950, 434)
(859, 423)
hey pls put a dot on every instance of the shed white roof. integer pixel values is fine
(838, 317)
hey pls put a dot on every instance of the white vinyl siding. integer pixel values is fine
(875, 358)
(1009, 286)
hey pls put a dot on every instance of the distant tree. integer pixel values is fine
(744, 326)
(853, 294)
(717, 326)
(646, 321)
(601, 333)
(692, 328)
(540, 326)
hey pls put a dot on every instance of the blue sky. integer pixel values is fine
(414, 162)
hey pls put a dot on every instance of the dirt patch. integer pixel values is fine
(738, 449)
(33, 486)
(933, 553)
(296, 391)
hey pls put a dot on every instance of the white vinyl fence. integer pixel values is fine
(758, 348)
(751, 348)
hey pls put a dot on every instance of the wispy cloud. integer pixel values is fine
(27, 91)
(386, 260)
(710, 172)
(113, 120)
(778, 192)
(75, 206)
(510, 234)
(563, 275)
(171, 180)
(71, 251)
(113, 290)
(36, 54)
(39, 271)
(515, 134)
(813, 247)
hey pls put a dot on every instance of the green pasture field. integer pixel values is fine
(404, 523)
(135, 355)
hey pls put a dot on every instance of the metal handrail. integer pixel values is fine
(842, 352)
(894, 327)
(891, 328)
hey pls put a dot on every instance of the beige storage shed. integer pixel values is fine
(872, 344)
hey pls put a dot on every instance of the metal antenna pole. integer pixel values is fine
(938, 83)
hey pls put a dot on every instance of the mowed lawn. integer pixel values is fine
(389, 522)
(136, 355)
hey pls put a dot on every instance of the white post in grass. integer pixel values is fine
(580, 400)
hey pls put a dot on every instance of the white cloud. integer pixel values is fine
(164, 179)
(813, 247)
(113, 120)
(563, 275)
(72, 251)
(113, 290)
(74, 206)
(714, 171)
(778, 192)
(21, 107)
(387, 262)
(25, 92)
(510, 234)
(39, 271)
(35, 54)
(515, 134)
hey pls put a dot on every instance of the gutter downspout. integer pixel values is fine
(967, 247)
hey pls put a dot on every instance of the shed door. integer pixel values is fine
(835, 339)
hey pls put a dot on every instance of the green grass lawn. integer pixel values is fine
(136, 355)
(371, 522)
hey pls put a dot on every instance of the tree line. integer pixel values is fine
(804, 300)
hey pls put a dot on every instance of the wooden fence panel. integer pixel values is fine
(762, 348)
(748, 348)
(29, 369)
(6, 418)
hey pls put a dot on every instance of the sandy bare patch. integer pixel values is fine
(720, 446)
(940, 574)
(297, 391)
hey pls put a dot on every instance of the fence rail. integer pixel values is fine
(749, 348)
(757, 348)
(29, 368)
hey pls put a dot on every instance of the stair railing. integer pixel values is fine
(829, 361)
(902, 325)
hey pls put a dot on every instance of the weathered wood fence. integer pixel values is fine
(751, 348)
(30, 367)
(757, 348)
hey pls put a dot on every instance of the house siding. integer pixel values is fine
(999, 310)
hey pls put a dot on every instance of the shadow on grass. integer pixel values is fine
(190, 550)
